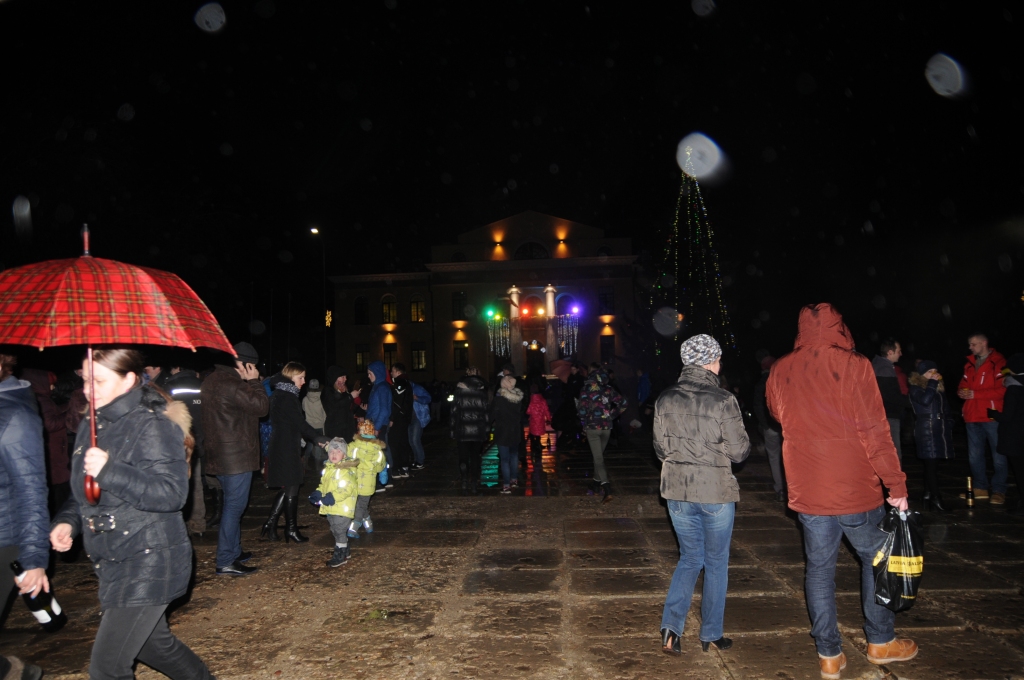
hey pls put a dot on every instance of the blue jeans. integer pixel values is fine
(977, 435)
(822, 536)
(236, 498)
(704, 531)
(416, 441)
(508, 463)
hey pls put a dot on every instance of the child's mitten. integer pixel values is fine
(315, 497)
(328, 499)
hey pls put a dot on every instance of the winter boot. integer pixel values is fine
(368, 525)
(353, 529)
(339, 557)
(269, 531)
(291, 522)
(217, 504)
(606, 492)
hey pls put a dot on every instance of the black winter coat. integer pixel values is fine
(138, 542)
(23, 475)
(469, 411)
(284, 455)
(506, 412)
(934, 428)
(401, 402)
(340, 420)
(1011, 420)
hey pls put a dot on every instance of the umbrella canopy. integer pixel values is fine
(561, 368)
(90, 300)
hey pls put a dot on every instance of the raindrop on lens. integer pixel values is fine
(366, 124)
(704, 155)
(666, 321)
(1005, 263)
(126, 112)
(22, 211)
(226, 149)
(945, 75)
(257, 327)
(285, 256)
(211, 17)
(703, 8)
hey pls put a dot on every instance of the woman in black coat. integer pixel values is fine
(135, 536)
(1011, 424)
(933, 431)
(507, 414)
(284, 455)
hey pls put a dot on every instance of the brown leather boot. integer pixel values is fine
(897, 650)
(831, 666)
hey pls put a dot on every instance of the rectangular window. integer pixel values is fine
(606, 300)
(418, 311)
(461, 348)
(362, 356)
(390, 354)
(389, 310)
(459, 303)
(419, 356)
(607, 349)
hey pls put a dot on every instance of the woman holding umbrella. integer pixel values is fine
(135, 534)
(284, 458)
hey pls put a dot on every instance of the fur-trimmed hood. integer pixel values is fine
(918, 380)
(515, 395)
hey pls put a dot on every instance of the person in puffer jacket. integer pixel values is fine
(933, 431)
(368, 451)
(378, 404)
(336, 497)
(600, 405)
(135, 535)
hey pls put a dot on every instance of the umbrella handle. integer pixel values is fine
(92, 490)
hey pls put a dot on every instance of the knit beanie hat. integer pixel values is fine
(314, 385)
(925, 365)
(367, 430)
(246, 353)
(338, 444)
(700, 350)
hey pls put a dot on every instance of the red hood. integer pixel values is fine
(821, 325)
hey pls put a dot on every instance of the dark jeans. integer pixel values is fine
(416, 441)
(131, 633)
(236, 497)
(398, 442)
(823, 535)
(978, 434)
(469, 460)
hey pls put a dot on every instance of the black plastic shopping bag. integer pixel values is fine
(900, 561)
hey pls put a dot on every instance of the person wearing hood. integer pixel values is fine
(24, 533)
(599, 406)
(1011, 424)
(135, 535)
(284, 456)
(698, 435)
(378, 406)
(933, 431)
(838, 453)
(313, 408)
(894, 399)
(338, 404)
(56, 431)
(506, 413)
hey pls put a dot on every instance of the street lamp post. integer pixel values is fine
(323, 289)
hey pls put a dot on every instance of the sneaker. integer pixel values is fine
(418, 466)
(998, 498)
(897, 650)
(831, 666)
(979, 495)
(380, 488)
(506, 489)
(402, 473)
(515, 484)
(235, 569)
(390, 484)
(338, 558)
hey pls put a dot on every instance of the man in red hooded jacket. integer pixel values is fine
(982, 389)
(837, 452)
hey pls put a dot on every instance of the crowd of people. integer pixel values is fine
(831, 422)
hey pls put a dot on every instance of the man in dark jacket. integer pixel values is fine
(185, 386)
(771, 431)
(337, 403)
(893, 397)
(25, 529)
(233, 403)
(468, 425)
(401, 417)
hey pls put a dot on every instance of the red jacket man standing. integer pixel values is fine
(982, 389)
(837, 452)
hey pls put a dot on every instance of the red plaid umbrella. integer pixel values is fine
(91, 301)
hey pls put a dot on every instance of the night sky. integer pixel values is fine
(394, 125)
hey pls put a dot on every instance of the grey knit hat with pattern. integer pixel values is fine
(700, 350)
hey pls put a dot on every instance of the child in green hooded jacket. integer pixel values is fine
(336, 497)
(369, 451)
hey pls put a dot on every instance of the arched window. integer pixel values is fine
(417, 309)
(532, 251)
(532, 306)
(389, 309)
(565, 304)
(361, 315)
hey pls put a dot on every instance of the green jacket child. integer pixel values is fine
(369, 452)
(336, 494)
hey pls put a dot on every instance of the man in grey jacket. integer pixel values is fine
(698, 434)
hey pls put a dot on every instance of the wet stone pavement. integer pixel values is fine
(552, 583)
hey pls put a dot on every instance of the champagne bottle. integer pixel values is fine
(43, 606)
(970, 493)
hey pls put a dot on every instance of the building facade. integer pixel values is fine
(528, 289)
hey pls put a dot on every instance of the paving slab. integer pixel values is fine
(989, 551)
(605, 539)
(988, 610)
(509, 618)
(490, 656)
(791, 656)
(619, 581)
(642, 659)
(436, 539)
(610, 524)
(521, 558)
(768, 614)
(955, 577)
(507, 582)
(960, 654)
(616, 618)
(613, 558)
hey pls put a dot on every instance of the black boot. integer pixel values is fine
(935, 503)
(291, 522)
(269, 531)
(218, 507)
